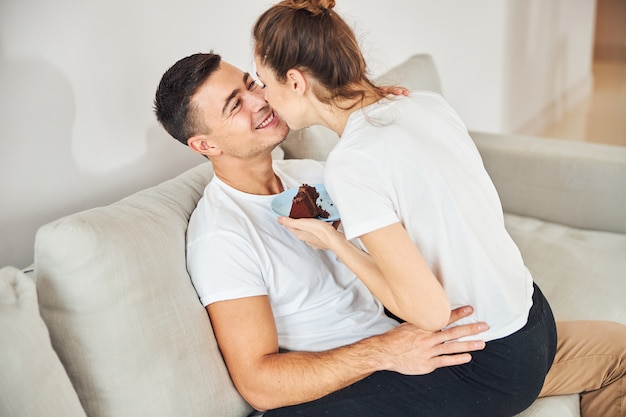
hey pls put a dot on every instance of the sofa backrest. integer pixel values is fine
(122, 312)
(578, 184)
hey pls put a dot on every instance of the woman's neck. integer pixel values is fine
(336, 114)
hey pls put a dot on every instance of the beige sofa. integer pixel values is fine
(108, 322)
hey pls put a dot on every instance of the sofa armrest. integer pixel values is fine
(578, 184)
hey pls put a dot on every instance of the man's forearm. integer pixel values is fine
(283, 379)
(268, 379)
(290, 378)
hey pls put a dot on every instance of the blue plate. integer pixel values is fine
(281, 204)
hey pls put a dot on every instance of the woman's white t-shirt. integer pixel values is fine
(411, 160)
(236, 248)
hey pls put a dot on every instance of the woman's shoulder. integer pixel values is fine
(390, 106)
(426, 97)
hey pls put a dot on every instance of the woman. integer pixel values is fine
(410, 184)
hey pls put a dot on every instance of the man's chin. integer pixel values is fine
(284, 132)
(281, 141)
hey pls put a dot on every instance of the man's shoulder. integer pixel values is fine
(210, 214)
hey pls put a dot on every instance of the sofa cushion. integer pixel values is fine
(122, 312)
(32, 379)
(418, 72)
(573, 183)
(557, 406)
(581, 272)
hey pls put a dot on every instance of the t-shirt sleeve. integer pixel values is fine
(223, 266)
(361, 189)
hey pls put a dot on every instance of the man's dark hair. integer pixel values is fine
(172, 102)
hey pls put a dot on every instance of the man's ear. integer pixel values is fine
(297, 81)
(203, 145)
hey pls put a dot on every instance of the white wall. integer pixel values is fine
(548, 60)
(77, 79)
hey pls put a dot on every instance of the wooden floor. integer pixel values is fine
(600, 117)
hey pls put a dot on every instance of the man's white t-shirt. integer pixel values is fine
(411, 160)
(236, 248)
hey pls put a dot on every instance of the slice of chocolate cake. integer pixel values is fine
(304, 204)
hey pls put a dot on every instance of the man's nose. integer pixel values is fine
(257, 100)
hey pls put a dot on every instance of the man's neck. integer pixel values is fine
(252, 177)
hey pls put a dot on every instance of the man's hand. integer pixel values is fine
(413, 351)
(395, 90)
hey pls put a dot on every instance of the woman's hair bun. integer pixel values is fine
(314, 7)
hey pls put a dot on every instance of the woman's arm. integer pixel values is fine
(394, 270)
(414, 292)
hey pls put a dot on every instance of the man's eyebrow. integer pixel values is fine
(234, 93)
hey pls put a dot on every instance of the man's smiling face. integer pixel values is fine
(241, 123)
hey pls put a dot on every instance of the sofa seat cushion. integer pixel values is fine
(32, 379)
(581, 272)
(556, 406)
(122, 311)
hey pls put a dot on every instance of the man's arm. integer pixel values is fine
(247, 337)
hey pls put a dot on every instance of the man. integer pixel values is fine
(293, 324)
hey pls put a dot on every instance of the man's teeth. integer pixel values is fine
(267, 121)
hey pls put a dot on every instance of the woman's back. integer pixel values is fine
(410, 160)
